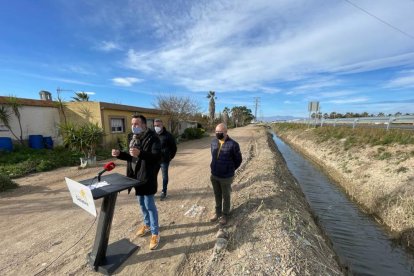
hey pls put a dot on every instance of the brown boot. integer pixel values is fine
(214, 218)
(223, 220)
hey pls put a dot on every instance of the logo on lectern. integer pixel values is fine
(82, 197)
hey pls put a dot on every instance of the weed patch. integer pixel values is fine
(23, 160)
(6, 183)
(383, 155)
(402, 170)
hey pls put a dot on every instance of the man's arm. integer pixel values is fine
(121, 155)
(173, 147)
(237, 156)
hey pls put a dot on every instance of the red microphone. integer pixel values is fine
(107, 167)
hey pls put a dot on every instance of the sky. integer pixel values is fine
(351, 56)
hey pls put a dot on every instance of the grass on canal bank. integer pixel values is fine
(355, 137)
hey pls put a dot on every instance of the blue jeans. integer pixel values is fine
(149, 212)
(164, 170)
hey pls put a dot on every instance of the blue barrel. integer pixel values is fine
(6, 144)
(48, 142)
(36, 141)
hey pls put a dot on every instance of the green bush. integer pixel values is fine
(193, 133)
(23, 160)
(45, 165)
(84, 138)
(6, 183)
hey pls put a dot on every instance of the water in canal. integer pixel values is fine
(359, 241)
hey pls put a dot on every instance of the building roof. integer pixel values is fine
(29, 102)
(105, 105)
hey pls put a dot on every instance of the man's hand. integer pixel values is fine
(134, 152)
(115, 152)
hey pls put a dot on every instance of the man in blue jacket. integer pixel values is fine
(226, 158)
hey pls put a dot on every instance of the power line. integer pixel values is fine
(379, 19)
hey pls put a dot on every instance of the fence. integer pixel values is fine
(404, 122)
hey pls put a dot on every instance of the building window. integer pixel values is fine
(117, 125)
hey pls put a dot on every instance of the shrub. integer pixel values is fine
(84, 138)
(193, 133)
(45, 165)
(23, 160)
(6, 183)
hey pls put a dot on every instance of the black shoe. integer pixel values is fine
(223, 220)
(163, 196)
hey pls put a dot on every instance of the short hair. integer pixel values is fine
(157, 121)
(142, 117)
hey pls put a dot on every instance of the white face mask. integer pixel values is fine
(136, 130)
(158, 129)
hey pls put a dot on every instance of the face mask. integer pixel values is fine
(158, 130)
(220, 136)
(136, 130)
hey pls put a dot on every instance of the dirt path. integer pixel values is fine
(40, 223)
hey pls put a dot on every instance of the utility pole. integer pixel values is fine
(256, 106)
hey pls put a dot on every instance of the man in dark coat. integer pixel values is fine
(168, 151)
(142, 163)
(226, 158)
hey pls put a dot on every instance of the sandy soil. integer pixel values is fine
(270, 232)
(379, 178)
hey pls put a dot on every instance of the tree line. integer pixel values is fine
(337, 115)
(185, 108)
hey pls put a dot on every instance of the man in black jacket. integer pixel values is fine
(142, 163)
(168, 151)
(226, 158)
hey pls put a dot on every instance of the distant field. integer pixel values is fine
(355, 137)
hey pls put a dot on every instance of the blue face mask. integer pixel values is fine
(136, 130)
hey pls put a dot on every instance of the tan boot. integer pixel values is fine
(142, 230)
(155, 240)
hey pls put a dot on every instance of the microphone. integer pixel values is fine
(107, 167)
(134, 142)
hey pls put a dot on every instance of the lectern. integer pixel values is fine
(103, 258)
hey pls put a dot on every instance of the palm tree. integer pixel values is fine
(5, 119)
(14, 104)
(212, 104)
(226, 112)
(81, 97)
(60, 104)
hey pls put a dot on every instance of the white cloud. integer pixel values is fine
(405, 79)
(86, 92)
(108, 46)
(229, 47)
(348, 100)
(127, 81)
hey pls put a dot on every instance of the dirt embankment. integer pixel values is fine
(270, 231)
(379, 178)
